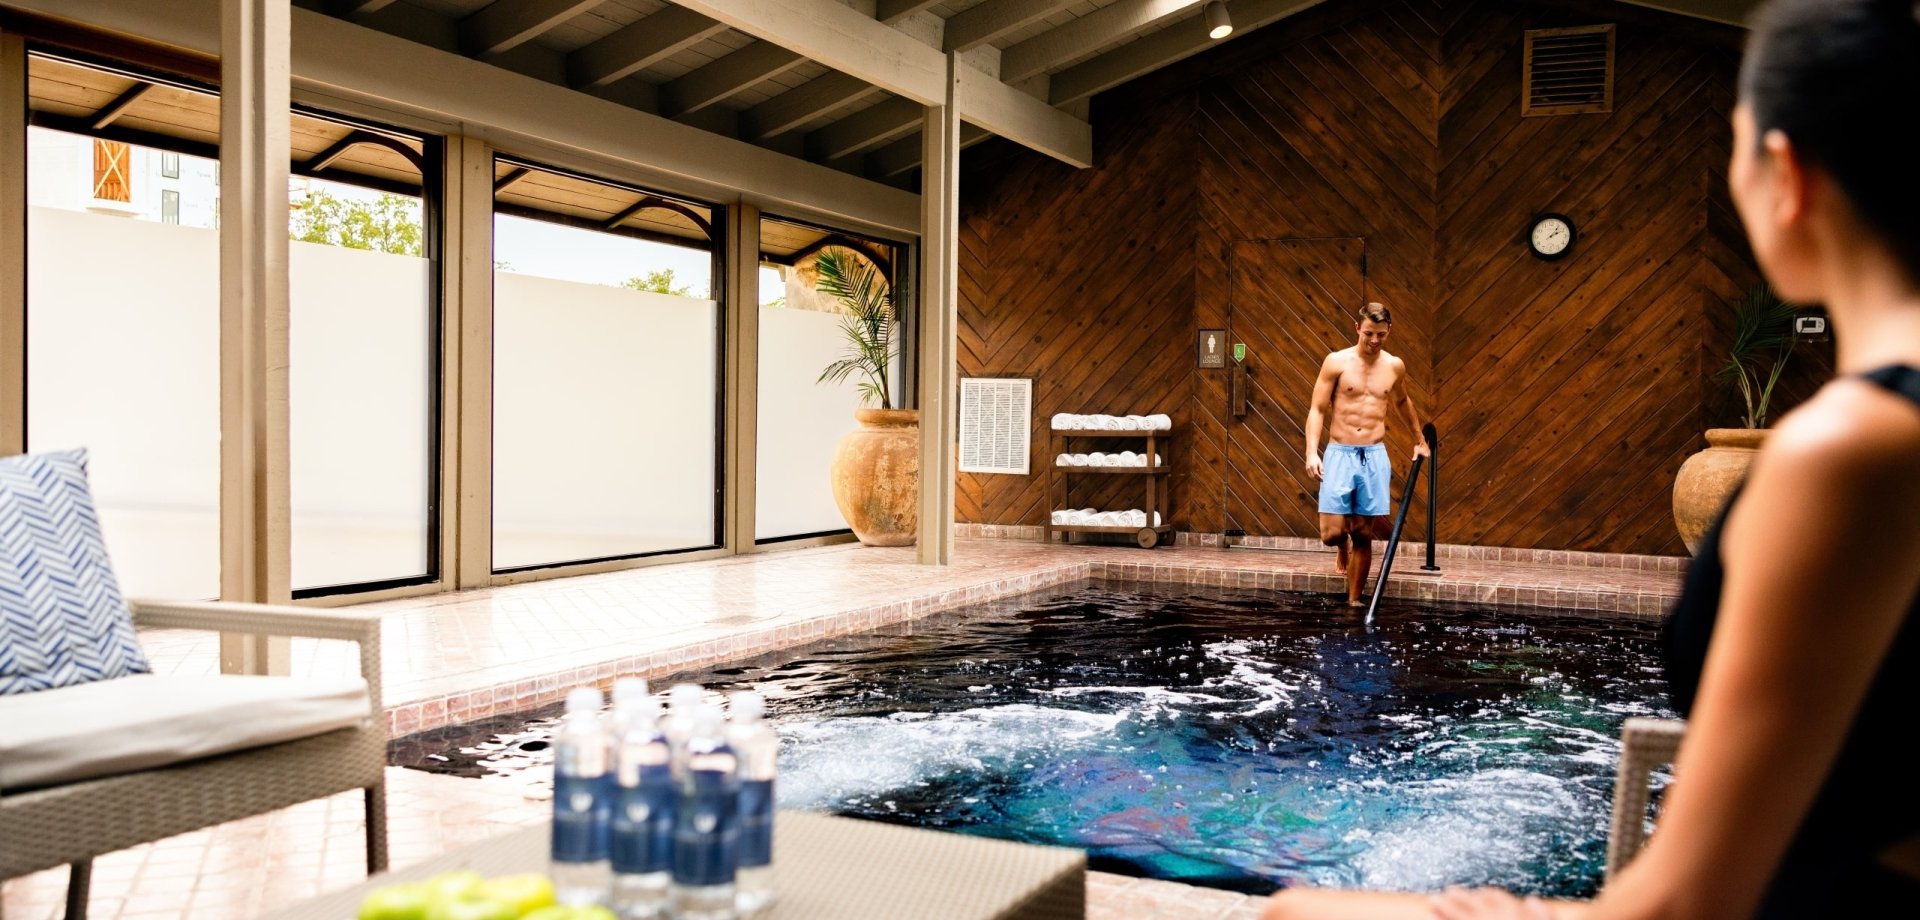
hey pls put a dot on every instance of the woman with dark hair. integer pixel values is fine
(1795, 647)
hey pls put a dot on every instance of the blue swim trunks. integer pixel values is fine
(1356, 479)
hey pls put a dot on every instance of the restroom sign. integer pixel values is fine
(1212, 348)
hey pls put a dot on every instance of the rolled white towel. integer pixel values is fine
(1062, 422)
(1156, 519)
(1136, 518)
(1127, 458)
(1096, 459)
(1060, 517)
(1063, 460)
(1109, 423)
(1137, 423)
(1076, 459)
(1160, 422)
(1157, 461)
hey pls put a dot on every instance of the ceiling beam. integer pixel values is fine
(905, 154)
(839, 37)
(847, 41)
(866, 129)
(119, 106)
(347, 9)
(995, 19)
(802, 104)
(892, 11)
(725, 77)
(1730, 12)
(1049, 50)
(638, 46)
(1163, 48)
(506, 24)
(510, 179)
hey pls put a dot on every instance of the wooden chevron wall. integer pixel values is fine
(1567, 393)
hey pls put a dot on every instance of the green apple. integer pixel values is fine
(396, 902)
(450, 885)
(471, 907)
(527, 892)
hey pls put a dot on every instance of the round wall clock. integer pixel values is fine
(1551, 236)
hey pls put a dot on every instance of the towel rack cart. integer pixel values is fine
(1159, 496)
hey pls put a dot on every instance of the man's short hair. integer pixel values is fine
(1377, 312)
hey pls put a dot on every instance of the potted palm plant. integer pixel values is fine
(1762, 343)
(876, 467)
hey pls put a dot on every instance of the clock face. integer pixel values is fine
(1551, 237)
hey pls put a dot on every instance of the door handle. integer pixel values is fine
(1237, 390)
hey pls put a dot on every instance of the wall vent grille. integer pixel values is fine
(1568, 71)
(996, 424)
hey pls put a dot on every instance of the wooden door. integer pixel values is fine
(1291, 302)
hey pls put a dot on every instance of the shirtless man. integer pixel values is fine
(1357, 385)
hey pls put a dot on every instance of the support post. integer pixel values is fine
(939, 318)
(13, 244)
(255, 539)
(742, 318)
(468, 261)
(1433, 495)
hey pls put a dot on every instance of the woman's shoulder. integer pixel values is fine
(1849, 426)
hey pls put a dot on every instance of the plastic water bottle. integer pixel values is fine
(682, 701)
(758, 750)
(705, 830)
(643, 806)
(582, 802)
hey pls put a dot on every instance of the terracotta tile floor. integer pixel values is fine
(450, 658)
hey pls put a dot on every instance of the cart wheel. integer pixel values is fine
(1147, 537)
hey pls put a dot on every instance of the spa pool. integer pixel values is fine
(1236, 738)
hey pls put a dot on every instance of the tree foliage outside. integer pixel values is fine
(389, 223)
(868, 323)
(658, 282)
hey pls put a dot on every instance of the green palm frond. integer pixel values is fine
(1762, 329)
(868, 323)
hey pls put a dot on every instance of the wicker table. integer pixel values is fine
(828, 868)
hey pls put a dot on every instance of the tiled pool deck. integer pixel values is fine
(456, 657)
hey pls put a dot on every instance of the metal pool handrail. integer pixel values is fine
(1400, 520)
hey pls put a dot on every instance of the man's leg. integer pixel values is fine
(1333, 532)
(1361, 561)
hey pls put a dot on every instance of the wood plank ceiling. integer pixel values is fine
(671, 61)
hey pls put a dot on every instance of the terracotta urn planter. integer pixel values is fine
(876, 476)
(1708, 477)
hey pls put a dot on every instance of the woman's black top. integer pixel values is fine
(1871, 798)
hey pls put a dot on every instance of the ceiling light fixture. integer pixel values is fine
(1218, 24)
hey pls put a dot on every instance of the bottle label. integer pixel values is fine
(582, 810)
(756, 823)
(705, 829)
(643, 822)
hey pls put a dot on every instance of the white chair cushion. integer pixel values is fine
(145, 721)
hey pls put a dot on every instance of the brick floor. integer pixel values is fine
(454, 657)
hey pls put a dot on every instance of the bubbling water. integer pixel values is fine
(1248, 740)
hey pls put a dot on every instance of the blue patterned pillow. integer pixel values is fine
(62, 620)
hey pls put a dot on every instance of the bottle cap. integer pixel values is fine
(747, 706)
(628, 690)
(708, 720)
(685, 697)
(583, 699)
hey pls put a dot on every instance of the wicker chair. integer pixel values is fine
(1646, 745)
(73, 823)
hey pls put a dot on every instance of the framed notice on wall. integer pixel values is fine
(996, 421)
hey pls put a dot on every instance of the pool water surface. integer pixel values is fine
(1245, 739)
